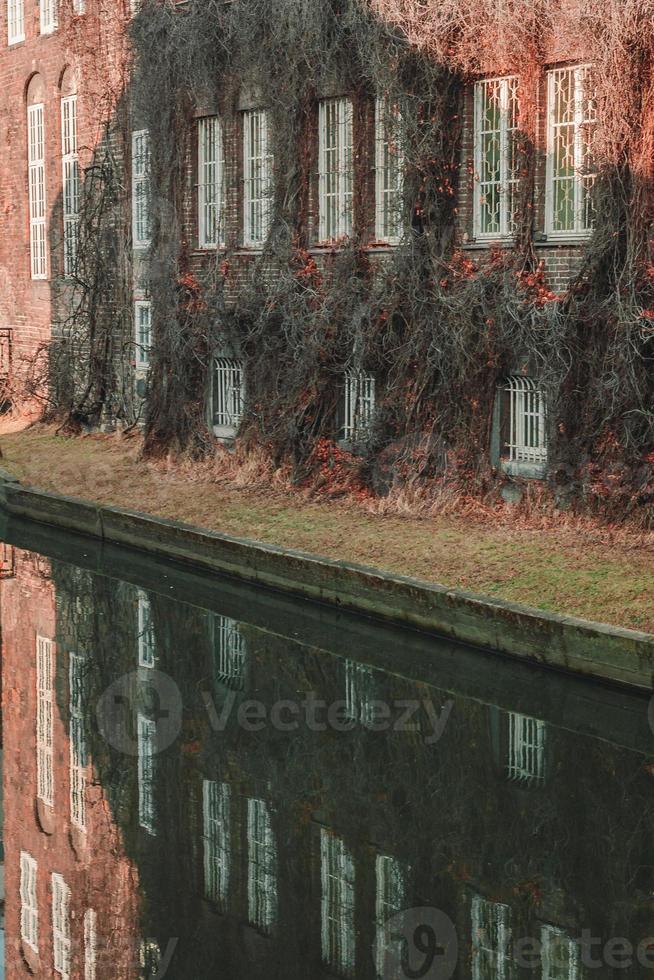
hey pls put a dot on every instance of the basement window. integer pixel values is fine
(570, 166)
(229, 652)
(496, 157)
(48, 16)
(526, 749)
(228, 397)
(389, 172)
(15, 21)
(523, 445)
(257, 183)
(358, 407)
(335, 169)
(560, 955)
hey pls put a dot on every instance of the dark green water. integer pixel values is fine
(203, 780)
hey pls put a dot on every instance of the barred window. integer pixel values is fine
(77, 680)
(143, 331)
(337, 904)
(335, 169)
(29, 907)
(358, 692)
(44, 719)
(257, 171)
(228, 394)
(36, 160)
(15, 21)
(389, 172)
(216, 799)
(491, 935)
(229, 652)
(526, 755)
(570, 165)
(141, 188)
(71, 177)
(211, 182)
(48, 16)
(262, 867)
(560, 954)
(359, 406)
(390, 900)
(90, 944)
(496, 157)
(146, 643)
(146, 748)
(61, 926)
(523, 420)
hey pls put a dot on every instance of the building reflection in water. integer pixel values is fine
(249, 847)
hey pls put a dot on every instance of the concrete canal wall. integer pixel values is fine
(563, 642)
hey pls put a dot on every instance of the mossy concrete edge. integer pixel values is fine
(563, 642)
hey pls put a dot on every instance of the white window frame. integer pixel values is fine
(358, 692)
(229, 651)
(257, 178)
(48, 16)
(29, 905)
(61, 926)
(552, 938)
(146, 749)
(71, 181)
(337, 877)
(262, 867)
(508, 178)
(491, 935)
(527, 437)
(211, 182)
(358, 406)
(79, 7)
(45, 719)
(389, 173)
(15, 21)
(335, 169)
(146, 640)
(581, 74)
(526, 749)
(37, 190)
(227, 396)
(216, 828)
(77, 736)
(142, 315)
(141, 189)
(90, 944)
(390, 900)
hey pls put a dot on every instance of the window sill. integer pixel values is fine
(17, 43)
(226, 433)
(524, 469)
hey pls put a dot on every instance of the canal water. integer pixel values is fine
(205, 780)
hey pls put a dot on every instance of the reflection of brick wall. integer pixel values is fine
(92, 863)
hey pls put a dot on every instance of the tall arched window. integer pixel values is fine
(70, 171)
(36, 177)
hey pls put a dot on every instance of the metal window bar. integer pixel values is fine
(389, 172)
(262, 867)
(490, 940)
(146, 641)
(526, 751)
(527, 440)
(560, 955)
(228, 392)
(61, 926)
(389, 902)
(15, 21)
(257, 170)
(359, 405)
(571, 168)
(48, 16)
(335, 178)
(211, 182)
(78, 758)
(146, 748)
(496, 157)
(29, 909)
(216, 800)
(337, 904)
(71, 181)
(36, 190)
(90, 944)
(44, 719)
(229, 651)
(141, 188)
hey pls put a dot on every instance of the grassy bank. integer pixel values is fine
(561, 565)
